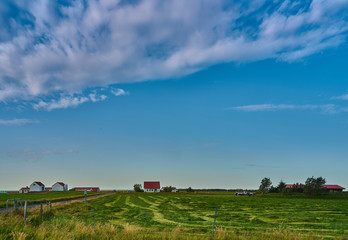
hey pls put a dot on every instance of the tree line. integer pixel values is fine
(312, 186)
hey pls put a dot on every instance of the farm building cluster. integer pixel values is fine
(155, 186)
(58, 186)
(329, 188)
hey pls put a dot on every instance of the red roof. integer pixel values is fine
(25, 188)
(39, 183)
(48, 188)
(152, 185)
(61, 183)
(333, 187)
(336, 187)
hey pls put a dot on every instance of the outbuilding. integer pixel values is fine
(333, 188)
(24, 190)
(329, 188)
(37, 187)
(60, 186)
(152, 186)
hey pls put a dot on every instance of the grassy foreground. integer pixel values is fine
(51, 196)
(184, 216)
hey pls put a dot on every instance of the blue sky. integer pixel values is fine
(201, 93)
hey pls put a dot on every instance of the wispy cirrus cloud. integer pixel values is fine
(68, 101)
(325, 108)
(119, 92)
(20, 121)
(341, 97)
(68, 46)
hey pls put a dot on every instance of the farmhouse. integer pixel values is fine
(330, 188)
(152, 187)
(333, 188)
(24, 189)
(37, 187)
(59, 186)
(92, 189)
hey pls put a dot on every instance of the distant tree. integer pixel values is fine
(297, 187)
(168, 189)
(281, 186)
(137, 188)
(190, 190)
(314, 186)
(273, 190)
(265, 185)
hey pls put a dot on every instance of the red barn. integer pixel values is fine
(334, 188)
(152, 187)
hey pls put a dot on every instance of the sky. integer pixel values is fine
(201, 94)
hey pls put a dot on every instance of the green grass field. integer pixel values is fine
(186, 216)
(51, 196)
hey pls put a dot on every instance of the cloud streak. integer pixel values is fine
(68, 101)
(69, 46)
(119, 92)
(325, 108)
(16, 122)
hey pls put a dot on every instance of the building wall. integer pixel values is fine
(58, 187)
(151, 190)
(34, 187)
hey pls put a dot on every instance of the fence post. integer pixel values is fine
(85, 197)
(7, 206)
(95, 232)
(50, 206)
(212, 234)
(41, 211)
(15, 205)
(25, 212)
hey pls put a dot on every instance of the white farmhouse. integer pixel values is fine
(37, 187)
(60, 186)
(152, 187)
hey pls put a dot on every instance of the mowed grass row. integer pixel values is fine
(320, 217)
(185, 216)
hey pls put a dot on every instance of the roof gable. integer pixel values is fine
(152, 185)
(60, 183)
(39, 183)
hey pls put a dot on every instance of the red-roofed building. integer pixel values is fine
(334, 188)
(24, 189)
(59, 186)
(330, 188)
(92, 189)
(152, 187)
(37, 187)
(48, 188)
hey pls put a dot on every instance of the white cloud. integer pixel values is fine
(95, 98)
(15, 121)
(119, 92)
(325, 108)
(49, 47)
(63, 102)
(342, 97)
